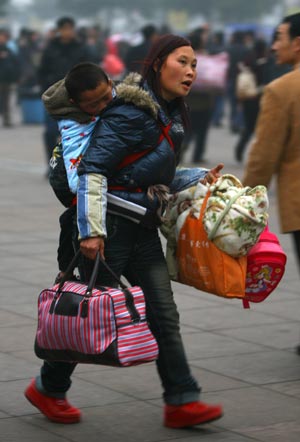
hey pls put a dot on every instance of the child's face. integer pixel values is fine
(95, 100)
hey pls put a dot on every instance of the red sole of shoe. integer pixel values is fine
(65, 420)
(206, 421)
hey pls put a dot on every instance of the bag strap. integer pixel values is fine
(69, 270)
(132, 158)
(165, 134)
(135, 316)
(225, 211)
(204, 204)
(216, 226)
(93, 277)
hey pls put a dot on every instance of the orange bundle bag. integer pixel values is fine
(202, 265)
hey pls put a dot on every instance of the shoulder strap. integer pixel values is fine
(225, 211)
(132, 158)
(165, 134)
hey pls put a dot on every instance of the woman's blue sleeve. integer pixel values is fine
(187, 177)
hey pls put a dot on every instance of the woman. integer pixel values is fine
(137, 121)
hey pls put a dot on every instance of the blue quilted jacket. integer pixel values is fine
(130, 124)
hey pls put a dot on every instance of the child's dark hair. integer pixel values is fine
(83, 77)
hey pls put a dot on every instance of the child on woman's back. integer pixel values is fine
(76, 102)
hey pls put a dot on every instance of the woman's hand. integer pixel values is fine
(91, 246)
(212, 174)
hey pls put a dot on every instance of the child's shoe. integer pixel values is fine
(193, 413)
(55, 409)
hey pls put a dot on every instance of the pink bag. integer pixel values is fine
(104, 325)
(265, 268)
(211, 72)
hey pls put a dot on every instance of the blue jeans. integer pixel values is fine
(136, 251)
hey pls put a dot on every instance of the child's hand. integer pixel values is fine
(212, 174)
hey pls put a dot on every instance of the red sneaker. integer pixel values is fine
(56, 410)
(193, 413)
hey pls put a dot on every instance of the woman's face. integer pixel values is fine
(178, 73)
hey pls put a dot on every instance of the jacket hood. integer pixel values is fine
(58, 105)
(130, 90)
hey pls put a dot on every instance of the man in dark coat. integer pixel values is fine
(136, 54)
(9, 74)
(61, 54)
(238, 52)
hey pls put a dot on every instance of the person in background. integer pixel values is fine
(135, 56)
(112, 62)
(154, 105)
(30, 52)
(273, 69)
(201, 104)
(257, 64)
(9, 74)
(59, 56)
(276, 149)
(237, 52)
(93, 39)
(249, 39)
(96, 40)
(216, 46)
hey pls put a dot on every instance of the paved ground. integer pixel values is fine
(244, 359)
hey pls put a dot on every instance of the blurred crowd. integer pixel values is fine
(33, 61)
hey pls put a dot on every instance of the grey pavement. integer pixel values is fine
(244, 359)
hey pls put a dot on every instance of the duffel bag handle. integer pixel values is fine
(135, 316)
(93, 277)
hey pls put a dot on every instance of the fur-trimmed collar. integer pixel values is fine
(130, 91)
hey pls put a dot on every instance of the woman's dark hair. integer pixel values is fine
(83, 77)
(157, 55)
(294, 21)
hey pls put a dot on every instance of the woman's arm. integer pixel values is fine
(188, 177)
(91, 214)
(114, 137)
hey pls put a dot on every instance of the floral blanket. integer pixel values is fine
(233, 219)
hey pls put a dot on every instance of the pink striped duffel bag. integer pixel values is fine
(81, 323)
